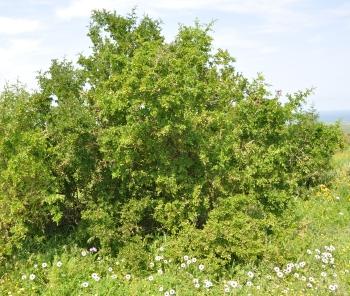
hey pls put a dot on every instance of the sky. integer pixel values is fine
(295, 44)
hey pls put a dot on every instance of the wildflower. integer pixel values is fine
(233, 284)
(269, 277)
(35, 266)
(333, 287)
(309, 285)
(158, 258)
(303, 278)
(127, 277)
(150, 278)
(208, 284)
(110, 269)
(83, 253)
(44, 265)
(197, 285)
(166, 293)
(186, 258)
(113, 276)
(194, 260)
(249, 283)
(160, 271)
(323, 274)
(311, 279)
(161, 289)
(250, 274)
(172, 292)
(317, 251)
(32, 276)
(195, 281)
(85, 284)
(337, 197)
(93, 250)
(280, 274)
(59, 264)
(161, 249)
(302, 264)
(317, 257)
(165, 261)
(95, 276)
(183, 265)
(296, 275)
(227, 290)
(276, 269)
(309, 252)
(189, 262)
(201, 267)
(24, 277)
(151, 265)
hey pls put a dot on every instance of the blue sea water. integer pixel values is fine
(334, 115)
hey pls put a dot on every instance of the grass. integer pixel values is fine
(316, 252)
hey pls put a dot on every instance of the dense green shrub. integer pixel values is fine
(148, 137)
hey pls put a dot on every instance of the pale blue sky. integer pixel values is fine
(296, 44)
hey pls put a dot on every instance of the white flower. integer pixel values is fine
(150, 278)
(166, 293)
(269, 277)
(249, 283)
(233, 284)
(83, 253)
(227, 290)
(59, 264)
(160, 271)
(337, 197)
(208, 284)
(183, 265)
(165, 261)
(85, 284)
(311, 279)
(32, 276)
(331, 248)
(309, 285)
(302, 264)
(186, 258)
(151, 265)
(335, 275)
(44, 265)
(161, 249)
(296, 275)
(194, 260)
(189, 262)
(127, 277)
(250, 274)
(280, 274)
(276, 269)
(317, 251)
(290, 265)
(24, 277)
(172, 292)
(308, 251)
(197, 285)
(110, 269)
(158, 258)
(35, 266)
(93, 250)
(333, 287)
(317, 257)
(113, 276)
(323, 274)
(201, 267)
(161, 289)
(303, 278)
(195, 281)
(95, 276)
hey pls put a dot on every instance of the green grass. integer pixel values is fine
(323, 222)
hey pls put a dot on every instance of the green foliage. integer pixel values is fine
(150, 138)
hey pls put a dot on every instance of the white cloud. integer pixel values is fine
(14, 60)
(12, 26)
(82, 8)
